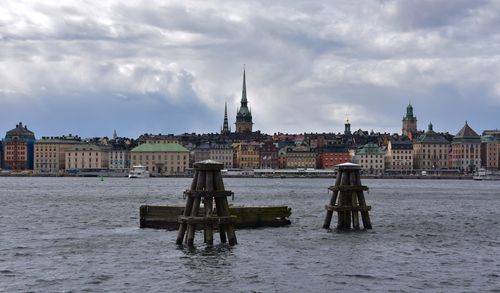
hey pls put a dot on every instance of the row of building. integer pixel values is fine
(170, 155)
(247, 149)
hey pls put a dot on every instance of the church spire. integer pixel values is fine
(244, 115)
(225, 126)
(244, 89)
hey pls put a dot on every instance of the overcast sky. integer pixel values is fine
(89, 67)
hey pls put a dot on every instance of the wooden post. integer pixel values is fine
(231, 235)
(207, 186)
(209, 232)
(348, 199)
(329, 214)
(187, 210)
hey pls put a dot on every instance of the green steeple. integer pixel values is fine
(244, 90)
(244, 114)
(409, 111)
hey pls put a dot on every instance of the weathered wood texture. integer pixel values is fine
(348, 199)
(166, 217)
(207, 187)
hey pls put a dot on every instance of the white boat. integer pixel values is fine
(138, 172)
(482, 174)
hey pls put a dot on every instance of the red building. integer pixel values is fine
(328, 158)
(268, 155)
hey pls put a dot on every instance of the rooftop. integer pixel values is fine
(160, 147)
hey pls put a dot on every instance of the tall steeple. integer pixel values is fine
(347, 127)
(244, 115)
(409, 123)
(225, 126)
(244, 90)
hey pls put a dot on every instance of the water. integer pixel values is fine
(81, 234)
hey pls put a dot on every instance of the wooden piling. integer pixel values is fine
(348, 199)
(209, 187)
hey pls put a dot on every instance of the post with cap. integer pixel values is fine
(207, 186)
(348, 199)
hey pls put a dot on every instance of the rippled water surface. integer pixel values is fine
(81, 234)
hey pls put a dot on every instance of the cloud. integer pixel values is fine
(307, 64)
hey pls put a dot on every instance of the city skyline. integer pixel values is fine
(171, 67)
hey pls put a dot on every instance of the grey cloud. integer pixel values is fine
(426, 14)
(307, 63)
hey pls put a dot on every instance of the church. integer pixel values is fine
(243, 117)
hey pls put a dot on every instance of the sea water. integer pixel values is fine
(82, 235)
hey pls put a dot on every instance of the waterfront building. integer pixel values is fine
(161, 158)
(466, 150)
(301, 156)
(18, 148)
(431, 151)
(409, 123)
(490, 152)
(332, 155)
(50, 153)
(399, 156)
(87, 156)
(268, 155)
(244, 116)
(119, 157)
(371, 159)
(282, 158)
(158, 138)
(246, 155)
(222, 153)
(201, 153)
(225, 129)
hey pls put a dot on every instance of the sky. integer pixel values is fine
(90, 67)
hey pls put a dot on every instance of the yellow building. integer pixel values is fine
(246, 155)
(300, 157)
(490, 152)
(371, 158)
(50, 153)
(161, 158)
(87, 156)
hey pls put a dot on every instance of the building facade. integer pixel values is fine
(87, 157)
(201, 153)
(399, 156)
(50, 153)
(371, 159)
(268, 155)
(161, 159)
(244, 116)
(490, 152)
(222, 153)
(409, 123)
(431, 151)
(158, 138)
(300, 157)
(466, 150)
(246, 155)
(119, 158)
(19, 149)
(331, 156)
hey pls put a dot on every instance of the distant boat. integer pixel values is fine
(138, 172)
(482, 174)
